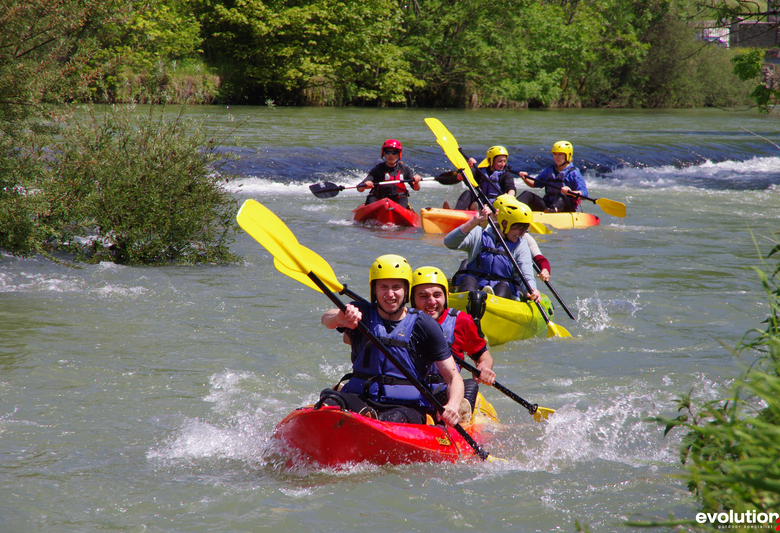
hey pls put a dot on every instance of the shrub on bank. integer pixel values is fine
(124, 186)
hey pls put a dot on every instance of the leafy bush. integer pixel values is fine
(139, 188)
(123, 186)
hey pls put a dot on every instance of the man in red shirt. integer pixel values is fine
(429, 295)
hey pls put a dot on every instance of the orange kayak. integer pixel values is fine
(436, 220)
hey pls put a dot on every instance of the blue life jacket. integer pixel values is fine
(558, 179)
(374, 376)
(492, 265)
(490, 184)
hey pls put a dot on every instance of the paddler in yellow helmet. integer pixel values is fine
(429, 295)
(376, 388)
(487, 267)
(494, 180)
(562, 181)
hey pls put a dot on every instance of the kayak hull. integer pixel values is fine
(385, 212)
(436, 220)
(330, 437)
(507, 320)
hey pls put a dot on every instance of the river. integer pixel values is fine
(143, 398)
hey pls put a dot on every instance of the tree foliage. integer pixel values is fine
(319, 51)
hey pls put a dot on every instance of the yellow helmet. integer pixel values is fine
(494, 151)
(390, 266)
(512, 210)
(425, 275)
(563, 147)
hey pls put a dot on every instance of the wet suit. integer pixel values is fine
(399, 194)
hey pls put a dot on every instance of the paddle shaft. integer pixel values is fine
(329, 188)
(531, 408)
(408, 375)
(479, 195)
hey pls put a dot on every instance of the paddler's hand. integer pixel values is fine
(476, 220)
(544, 275)
(450, 415)
(567, 190)
(486, 375)
(472, 162)
(335, 318)
(416, 184)
(366, 185)
(351, 318)
(535, 296)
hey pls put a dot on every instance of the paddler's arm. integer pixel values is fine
(335, 318)
(449, 371)
(484, 363)
(522, 255)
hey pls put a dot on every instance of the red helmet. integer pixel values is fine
(392, 143)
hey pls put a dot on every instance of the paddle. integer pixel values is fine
(326, 189)
(298, 261)
(537, 412)
(450, 146)
(610, 207)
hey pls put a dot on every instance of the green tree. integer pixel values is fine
(318, 51)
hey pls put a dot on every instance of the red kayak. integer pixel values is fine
(386, 211)
(331, 437)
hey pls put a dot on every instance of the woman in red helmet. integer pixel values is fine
(390, 169)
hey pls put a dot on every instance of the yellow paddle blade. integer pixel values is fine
(536, 227)
(542, 413)
(611, 207)
(290, 258)
(483, 164)
(450, 146)
(554, 330)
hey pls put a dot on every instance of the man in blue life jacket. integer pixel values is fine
(562, 181)
(488, 266)
(391, 168)
(429, 295)
(376, 387)
(494, 180)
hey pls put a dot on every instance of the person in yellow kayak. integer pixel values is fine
(429, 295)
(376, 388)
(487, 266)
(562, 181)
(494, 180)
(390, 169)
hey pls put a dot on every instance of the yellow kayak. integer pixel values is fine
(435, 220)
(507, 320)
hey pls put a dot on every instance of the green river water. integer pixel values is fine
(138, 399)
